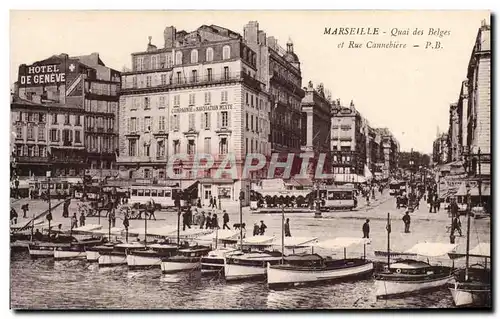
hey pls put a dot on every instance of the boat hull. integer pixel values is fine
(137, 262)
(463, 297)
(212, 266)
(393, 288)
(277, 277)
(112, 260)
(169, 267)
(234, 272)
(92, 256)
(69, 254)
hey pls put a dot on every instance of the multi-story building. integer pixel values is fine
(200, 93)
(279, 70)
(479, 100)
(316, 121)
(375, 153)
(390, 151)
(440, 149)
(51, 107)
(462, 117)
(348, 144)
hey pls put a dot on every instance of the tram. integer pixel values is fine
(333, 198)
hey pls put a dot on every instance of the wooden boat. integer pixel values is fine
(44, 249)
(252, 262)
(224, 242)
(186, 259)
(473, 286)
(76, 250)
(410, 276)
(118, 254)
(151, 256)
(302, 269)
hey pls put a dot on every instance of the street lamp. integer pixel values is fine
(467, 187)
(178, 204)
(241, 198)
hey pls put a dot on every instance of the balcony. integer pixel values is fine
(31, 159)
(200, 80)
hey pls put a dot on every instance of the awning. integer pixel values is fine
(474, 190)
(87, 228)
(295, 242)
(483, 250)
(221, 234)
(259, 240)
(431, 249)
(341, 242)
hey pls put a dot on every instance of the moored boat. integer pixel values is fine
(187, 259)
(224, 242)
(302, 269)
(44, 249)
(117, 255)
(151, 256)
(76, 250)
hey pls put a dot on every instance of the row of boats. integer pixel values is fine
(297, 263)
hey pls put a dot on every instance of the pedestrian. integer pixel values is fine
(151, 209)
(366, 229)
(25, 210)
(38, 235)
(13, 216)
(225, 219)
(262, 228)
(457, 225)
(431, 204)
(196, 217)
(215, 222)
(407, 220)
(287, 228)
(355, 199)
(208, 223)
(202, 219)
(65, 209)
(198, 204)
(398, 201)
(74, 221)
(82, 219)
(126, 225)
(256, 229)
(185, 221)
(112, 217)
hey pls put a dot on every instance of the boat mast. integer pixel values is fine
(282, 233)
(242, 196)
(145, 231)
(388, 227)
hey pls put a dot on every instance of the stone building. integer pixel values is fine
(199, 93)
(54, 102)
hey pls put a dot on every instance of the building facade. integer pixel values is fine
(390, 151)
(279, 70)
(348, 144)
(375, 153)
(440, 149)
(200, 93)
(50, 116)
(315, 125)
(454, 146)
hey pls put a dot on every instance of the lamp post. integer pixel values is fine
(241, 198)
(467, 186)
(178, 195)
(49, 215)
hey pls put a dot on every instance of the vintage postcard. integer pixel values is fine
(250, 160)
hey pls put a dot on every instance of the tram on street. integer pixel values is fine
(163, 196)
(334, 198)
(59, 188)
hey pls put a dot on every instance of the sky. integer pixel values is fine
(406, 90)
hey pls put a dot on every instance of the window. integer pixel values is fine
(179, 78)
(194, 56)
(192, 124)
(226, 52)
(251, 100)
(161, 123)
(177, 146)
(30, 117)
(67, 137)
(251, 122)
(208, 97)
(225, 119)
(54, 135)
(133, 125)
(168, 60)
(246, 121)
(154, 62)
(207, 143)
(30, 132)
(178, 57)
(175, 122)
(19, 116)
(146, 150)
(41, 132)
(223, 97)
(134, 81)
(42, 118)
(246, 145)
(148, 81)
(206, 120)
(210, 54)
(223, 144)
(226, 73)
(246, 98)
(194, 76)
(191, 147)
(147, 123)
(147, 174)
(77, 120)
(257, 120)
(209, 74)
(161, 175)
(146, 103)
(54, 118)
(192, 99)
(160, 149)
(132, 147)
(163, 79)
(66, 119)
(77, 137)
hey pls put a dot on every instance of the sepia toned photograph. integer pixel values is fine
(250, 160)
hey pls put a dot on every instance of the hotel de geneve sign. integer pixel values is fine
(204, 108)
